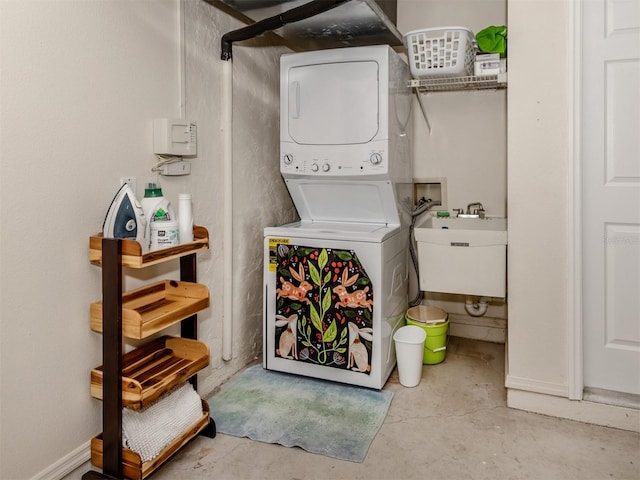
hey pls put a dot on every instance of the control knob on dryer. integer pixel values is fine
(375, 158)
(287, 158)
(326, 167)
(314, 167)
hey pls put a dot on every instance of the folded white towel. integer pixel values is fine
(151, 429)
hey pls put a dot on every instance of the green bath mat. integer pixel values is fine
(332, 419)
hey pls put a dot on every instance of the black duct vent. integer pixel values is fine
(317, 24)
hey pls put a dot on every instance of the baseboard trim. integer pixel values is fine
(66, 464)
(579, 410)
(536, 386)
(480, 328)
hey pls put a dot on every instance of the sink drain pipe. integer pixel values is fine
(295, 14)
(478, 308)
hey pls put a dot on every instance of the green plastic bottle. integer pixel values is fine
(154, 205)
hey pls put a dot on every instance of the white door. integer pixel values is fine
(611, 195)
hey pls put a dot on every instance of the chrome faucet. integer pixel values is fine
(476, 211)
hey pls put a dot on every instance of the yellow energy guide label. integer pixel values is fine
(273, 251)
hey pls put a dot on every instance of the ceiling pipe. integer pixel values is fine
(296, 14)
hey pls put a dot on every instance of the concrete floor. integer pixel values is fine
(454, 425)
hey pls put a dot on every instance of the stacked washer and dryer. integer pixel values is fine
(336, 281)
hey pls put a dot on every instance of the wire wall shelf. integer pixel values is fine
(449, 84)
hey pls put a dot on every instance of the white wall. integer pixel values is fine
(534, 185)
(538, 229)
(467, 144)
(539, 140)
(260, 196)
(81, 83)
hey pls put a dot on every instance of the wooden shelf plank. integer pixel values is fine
(155, 368)
(132, 467)
(152, 308)
(133, 257)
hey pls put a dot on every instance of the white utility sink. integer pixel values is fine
(475, 231)
(463, 255)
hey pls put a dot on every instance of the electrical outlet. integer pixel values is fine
(131, 181)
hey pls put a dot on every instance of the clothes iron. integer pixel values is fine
(125, 218)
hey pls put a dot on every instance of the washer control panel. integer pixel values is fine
(373, 162)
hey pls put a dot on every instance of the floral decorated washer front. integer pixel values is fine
(324, 308)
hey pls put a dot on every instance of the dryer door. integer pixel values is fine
(333, 103)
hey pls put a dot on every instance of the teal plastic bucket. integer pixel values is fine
(435, 322)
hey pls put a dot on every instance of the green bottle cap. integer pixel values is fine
(152, 190)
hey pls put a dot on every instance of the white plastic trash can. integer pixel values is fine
(409, 342)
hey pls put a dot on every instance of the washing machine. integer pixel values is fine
(336, 281)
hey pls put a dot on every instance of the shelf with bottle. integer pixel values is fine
(133, 256)
(138, 379)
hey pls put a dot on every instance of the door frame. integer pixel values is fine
(574, 264)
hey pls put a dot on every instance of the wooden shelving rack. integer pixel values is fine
(141, 376)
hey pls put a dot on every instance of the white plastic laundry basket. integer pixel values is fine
(441, 51)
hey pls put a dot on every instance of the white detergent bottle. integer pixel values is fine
(185, 218)
(155, 206)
